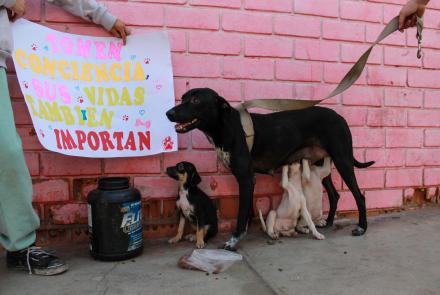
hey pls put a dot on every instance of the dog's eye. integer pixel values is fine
(195, 100)
(180, 168)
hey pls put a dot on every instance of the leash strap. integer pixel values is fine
(349, 79)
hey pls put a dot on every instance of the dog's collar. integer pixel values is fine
(247, 124)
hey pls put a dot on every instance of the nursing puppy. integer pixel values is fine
(283, 221)
(193, 205)
(311, 180)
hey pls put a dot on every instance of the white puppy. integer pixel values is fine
(312, 187)
(293, 206)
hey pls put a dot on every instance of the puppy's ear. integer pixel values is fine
(194, 178)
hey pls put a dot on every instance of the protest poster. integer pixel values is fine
(94, 97)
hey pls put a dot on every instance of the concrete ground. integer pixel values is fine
(399, 255)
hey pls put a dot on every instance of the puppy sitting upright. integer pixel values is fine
(293, 206)
(193, 205)
(311, 180)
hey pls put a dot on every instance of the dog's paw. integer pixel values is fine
(358, 231)
(190, 238)
(200, 244)
(274, 236)
(319, 236)
(321, 223)
(302, 229)
(231, 244)
(174, 240)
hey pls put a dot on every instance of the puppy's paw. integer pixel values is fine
(319, 236)
(274, 236)
(190, 238)
(321, 223)
(200, 244)
(302, 229)
(358, 231)
(174, 240)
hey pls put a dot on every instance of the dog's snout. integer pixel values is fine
(171, 114)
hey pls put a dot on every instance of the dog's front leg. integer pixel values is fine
(246, 188)
(179, 234)
(200, 235)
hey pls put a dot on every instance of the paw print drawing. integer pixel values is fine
(80, 99)
(125, 118)
(26, 84)
(34, 47)
(168, 143)
(147, 61)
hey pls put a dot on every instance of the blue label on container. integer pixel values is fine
(132, 224)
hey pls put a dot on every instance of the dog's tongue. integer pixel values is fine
(178, 127)
(182, 126)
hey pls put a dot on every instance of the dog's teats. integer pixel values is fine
(193, 205)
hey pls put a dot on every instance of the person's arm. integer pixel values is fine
(93, 11)
(407, 16)
(7, 3)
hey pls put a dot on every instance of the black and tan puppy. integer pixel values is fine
(193, 205)
(280, 138)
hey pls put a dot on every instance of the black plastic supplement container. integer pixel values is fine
(115, 220)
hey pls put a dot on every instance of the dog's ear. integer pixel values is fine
(222, 103)
(193, 177)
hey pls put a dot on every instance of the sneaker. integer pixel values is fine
(37, 261)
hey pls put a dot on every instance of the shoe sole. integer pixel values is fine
(43, 272)
(51, 271)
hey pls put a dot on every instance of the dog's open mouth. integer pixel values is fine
(183, 127)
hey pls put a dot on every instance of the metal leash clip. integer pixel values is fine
(419, 36)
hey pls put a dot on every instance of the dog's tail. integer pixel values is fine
(263, 224)
(362, 165)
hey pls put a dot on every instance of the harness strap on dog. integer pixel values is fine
(349, 79)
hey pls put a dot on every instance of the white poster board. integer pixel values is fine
(94, 97)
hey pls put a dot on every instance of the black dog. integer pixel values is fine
(193, 205)
(280, 138)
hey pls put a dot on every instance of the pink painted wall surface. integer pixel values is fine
(247, 49)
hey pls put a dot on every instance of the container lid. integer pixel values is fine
(113, 183)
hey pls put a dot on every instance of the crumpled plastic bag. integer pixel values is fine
(209, 260)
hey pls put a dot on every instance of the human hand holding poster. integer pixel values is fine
(93, 97)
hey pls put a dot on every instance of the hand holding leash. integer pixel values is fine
(409, 13)
(410, 16)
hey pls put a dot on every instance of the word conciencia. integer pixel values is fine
(81, 71)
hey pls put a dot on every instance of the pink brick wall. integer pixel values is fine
(249, 49)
